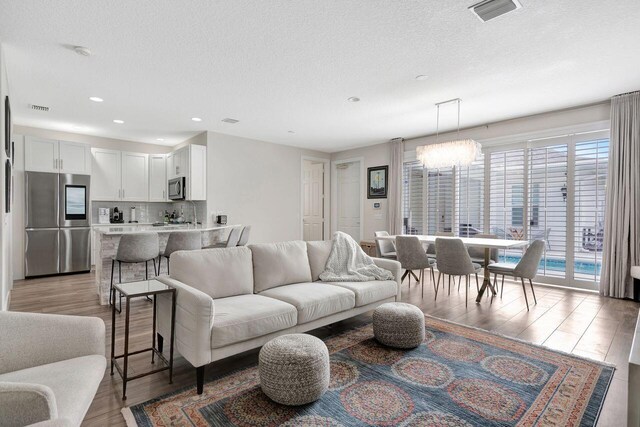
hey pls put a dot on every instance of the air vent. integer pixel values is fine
(39, 107)
(490, 9)
(232, 121)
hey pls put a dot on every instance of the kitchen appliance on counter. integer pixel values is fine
(116, 216)
(57, 224)
(221, 219)
(177, 188)
(104, 216)
(132, 216)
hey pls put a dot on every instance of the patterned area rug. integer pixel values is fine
(459, 376)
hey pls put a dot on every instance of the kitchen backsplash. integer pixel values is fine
(149, 212)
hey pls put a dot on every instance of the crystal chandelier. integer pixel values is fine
(459, 152)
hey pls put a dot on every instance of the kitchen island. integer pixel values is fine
(107, 236)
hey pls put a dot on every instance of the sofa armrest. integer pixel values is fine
(194, 320)
(23, 404)
(32, 339)
(394, 267)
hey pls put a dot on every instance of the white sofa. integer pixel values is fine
(236, 299)
(50, 368)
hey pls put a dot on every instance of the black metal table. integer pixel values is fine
(129, 291)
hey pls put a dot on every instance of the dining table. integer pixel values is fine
(487, 243)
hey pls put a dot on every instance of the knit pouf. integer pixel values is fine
(294, 369)
(399, 325)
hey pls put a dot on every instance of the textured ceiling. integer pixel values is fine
(281, 65)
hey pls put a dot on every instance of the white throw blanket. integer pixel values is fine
(348, 263)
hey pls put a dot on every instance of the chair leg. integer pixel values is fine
(502, 287)
(414, 276)
(422, 281)
(433, 275)
(477, 283)
(119, 272)
(495, 281)
(401, 280)
(113, 263)
(525, 293)
(160, 339)
(200, 379)
(168, 271)
(155, 268)
(459, 281)
(533, 292)
(437, 285)
(466, 290)
(146, 270)
(449, 292)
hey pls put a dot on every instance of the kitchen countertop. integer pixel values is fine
(119, 229)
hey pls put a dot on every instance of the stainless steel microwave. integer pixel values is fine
(177, 188)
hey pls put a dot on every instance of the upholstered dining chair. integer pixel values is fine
(180, 241)
(244, 236)
(134, 248)
(527, 268)
(385, 248)
(453, 260)
(412, 256)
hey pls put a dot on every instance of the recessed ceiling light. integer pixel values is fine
(290, 131)
(160, 139)
(196, 119)
(230, 120)
(96, 99)
(118, 121)
(79, 128)
(82, 51)
(422, 77)
(353, 99)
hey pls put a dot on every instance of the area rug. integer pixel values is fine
(459, 376)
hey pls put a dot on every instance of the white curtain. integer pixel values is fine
(622, 220)
(395, 186)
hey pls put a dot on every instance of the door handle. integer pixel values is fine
(61, 164)
(123, 193)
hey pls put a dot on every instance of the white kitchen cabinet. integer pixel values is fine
(74, 157)
(135, 177)
(180, 164)
(170, 170)
(50, 155)
(157, 178)
(197, 172)
(106, 176)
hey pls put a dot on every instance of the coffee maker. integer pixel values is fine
(116, 216)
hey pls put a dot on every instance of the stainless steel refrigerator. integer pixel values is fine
(57, 223)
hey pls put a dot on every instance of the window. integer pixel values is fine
(439, 200)
(506, 194)
(470, 199)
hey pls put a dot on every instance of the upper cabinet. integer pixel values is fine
(49, 155)
(190, 162)
(119, 175)
(157, 178)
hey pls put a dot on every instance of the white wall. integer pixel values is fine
(591, 117)
(5, 226)
(256, 183)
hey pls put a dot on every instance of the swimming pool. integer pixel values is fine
(559, 264)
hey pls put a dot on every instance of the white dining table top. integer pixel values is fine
(470, 241)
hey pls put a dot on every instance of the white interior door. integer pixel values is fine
(313, 202)
(349, 196)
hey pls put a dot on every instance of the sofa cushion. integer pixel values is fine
(314, 300)
(370, 292)
(74, 383)
(277, 264)
(243, 317)
(219, 273)
(318, 252)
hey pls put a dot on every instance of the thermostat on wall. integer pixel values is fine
(376, 205)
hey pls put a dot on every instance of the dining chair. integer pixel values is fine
(453, 260)
(412, 256)
(180, 241)
(385, 248)
(526, 268)
(244, 237)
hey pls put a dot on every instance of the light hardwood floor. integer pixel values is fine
(572, 321)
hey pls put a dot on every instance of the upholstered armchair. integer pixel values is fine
(50, 368)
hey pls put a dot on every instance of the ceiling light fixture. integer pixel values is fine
(290, 131)
(231, 121)
(422, 77)
(458, 152)
(118, 121)
(96, 99)
(353, 99)
(196, 119)
(82, 51)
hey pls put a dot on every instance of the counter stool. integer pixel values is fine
(180, 241)
(135, 248)
(232, 240)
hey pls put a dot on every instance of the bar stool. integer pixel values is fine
(232, 240)
(244, 237)
(135, 248)
(180, 241)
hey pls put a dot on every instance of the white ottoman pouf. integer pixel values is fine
(294, 369)
(399, 325)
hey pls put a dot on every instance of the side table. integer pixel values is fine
(129, 291)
